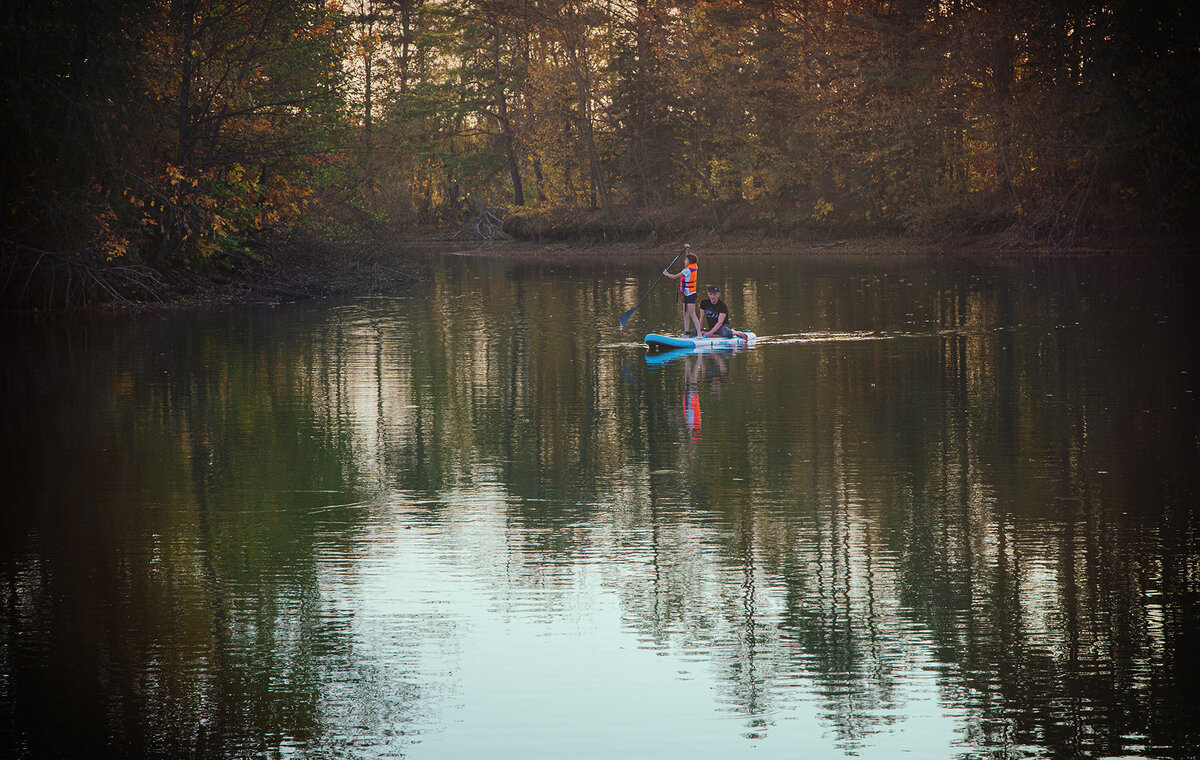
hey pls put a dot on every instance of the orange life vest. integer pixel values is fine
(687, 283)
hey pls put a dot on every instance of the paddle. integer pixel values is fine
(625, 317)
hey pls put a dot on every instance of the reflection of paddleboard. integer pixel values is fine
(670, 355)
(655, 342)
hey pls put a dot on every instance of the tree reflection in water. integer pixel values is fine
(966, 488)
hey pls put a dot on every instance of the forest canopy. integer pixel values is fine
(167, 131)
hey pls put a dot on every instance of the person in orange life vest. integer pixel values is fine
(688, 277)
(716, 313)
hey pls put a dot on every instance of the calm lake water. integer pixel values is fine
(945, 508)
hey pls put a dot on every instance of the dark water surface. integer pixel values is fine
(946, 508)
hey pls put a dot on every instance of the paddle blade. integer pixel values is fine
(625, 317)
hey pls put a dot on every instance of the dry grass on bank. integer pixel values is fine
(295, 269)
(751, 244)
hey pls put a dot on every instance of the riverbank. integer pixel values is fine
(292, 269)
(752, 244)
(297, 268)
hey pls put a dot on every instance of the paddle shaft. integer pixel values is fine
(625, 317)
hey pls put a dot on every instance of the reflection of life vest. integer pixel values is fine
(687, 283)
(691, 408)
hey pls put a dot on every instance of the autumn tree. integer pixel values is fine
(163, 131)
(645, 101)
(68, 106)
(255, 91)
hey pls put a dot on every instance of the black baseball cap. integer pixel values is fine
(713, 289)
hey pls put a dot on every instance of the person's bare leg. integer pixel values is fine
(695, 316)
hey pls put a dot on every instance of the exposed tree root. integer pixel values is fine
(33, 278)
(487, 224)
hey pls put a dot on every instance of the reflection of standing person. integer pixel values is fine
(688, 277)
(691, 395)
(716, 313)
(715, 374)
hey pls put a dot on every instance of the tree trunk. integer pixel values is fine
(506, 133)
(185, 140)
(589, 142)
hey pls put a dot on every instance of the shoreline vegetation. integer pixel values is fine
(296, 267)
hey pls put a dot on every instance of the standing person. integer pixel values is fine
(716, 313)
(688, 277)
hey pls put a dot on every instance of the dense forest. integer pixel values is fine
(146, 134)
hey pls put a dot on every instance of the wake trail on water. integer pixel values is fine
(836, 337)
(822, 337)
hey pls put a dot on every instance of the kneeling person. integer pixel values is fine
(716, 314)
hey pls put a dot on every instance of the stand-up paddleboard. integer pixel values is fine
(655, 342)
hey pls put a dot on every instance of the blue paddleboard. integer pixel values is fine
(656, 342)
